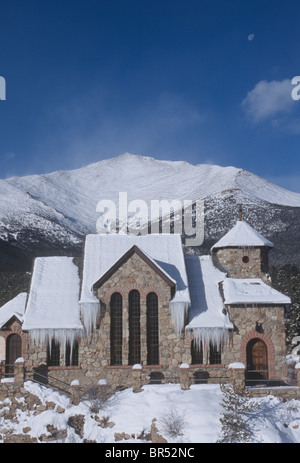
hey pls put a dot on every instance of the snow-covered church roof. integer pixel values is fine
(251, 291)
(207, 318)
(242, 235)
(54, 294)
(103, 251)
(206, 301)
(13, 308)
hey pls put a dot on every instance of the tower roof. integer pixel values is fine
(242, 235)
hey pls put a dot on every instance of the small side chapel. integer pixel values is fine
(137, 302)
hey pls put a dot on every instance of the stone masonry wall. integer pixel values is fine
(136, 274)
(94, 354)
(243, 262)
(174, 348)
(266, 323)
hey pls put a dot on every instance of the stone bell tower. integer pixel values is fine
(242, 252)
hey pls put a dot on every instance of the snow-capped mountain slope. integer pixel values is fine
(60, 208)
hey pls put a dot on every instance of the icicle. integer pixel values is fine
(61, 336)
(206, 336)
(89, 312)
(179, 310)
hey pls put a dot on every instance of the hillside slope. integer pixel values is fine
(51, 213)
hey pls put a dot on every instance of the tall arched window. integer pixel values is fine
(152, 330)
(116, 332)
(134, 328)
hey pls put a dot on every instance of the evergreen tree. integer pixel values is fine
(235, 419)
(287, 280)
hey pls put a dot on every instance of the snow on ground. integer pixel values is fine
(273, 422)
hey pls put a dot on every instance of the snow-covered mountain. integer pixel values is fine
(40, 213)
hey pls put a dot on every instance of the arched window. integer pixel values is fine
(53, 354)
(152, 330)
(72, 357)
(13, 351)
(134, 328)
(196, 353)
(116, 334)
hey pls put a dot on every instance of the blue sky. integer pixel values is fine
(201, 81)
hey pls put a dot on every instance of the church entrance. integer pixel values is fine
(257, 360)
(13, 351)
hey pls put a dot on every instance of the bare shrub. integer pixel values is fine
(98, 397)
(173, 422)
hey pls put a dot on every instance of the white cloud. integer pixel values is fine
(268, 100)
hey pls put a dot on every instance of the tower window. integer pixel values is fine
(245, 259)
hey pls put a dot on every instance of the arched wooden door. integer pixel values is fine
(257, 360)
(13, 351)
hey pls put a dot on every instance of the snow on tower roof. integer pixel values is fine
(251, 291)
(13, 308)
(206, 301)
(54, 293)
(242, 235)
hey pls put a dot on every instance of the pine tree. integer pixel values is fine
(287, 280)
(235, 419)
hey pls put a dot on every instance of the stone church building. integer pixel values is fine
(138, 303)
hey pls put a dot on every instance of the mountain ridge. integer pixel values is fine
(51, 213)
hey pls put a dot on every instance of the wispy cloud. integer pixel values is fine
(268, 100)
(90, 129)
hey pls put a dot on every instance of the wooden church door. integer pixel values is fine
(257, 359)
(13, 351)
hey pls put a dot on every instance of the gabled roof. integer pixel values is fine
(14, 308)
(135, 250)
(102, 252)
(251, 291)
(242, 235)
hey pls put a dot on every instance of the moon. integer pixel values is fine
(250, 37)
